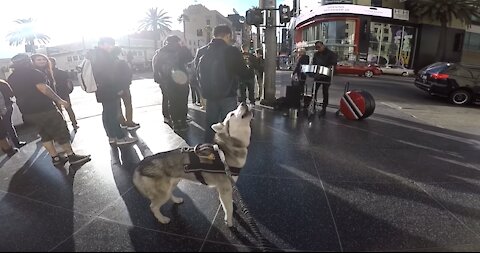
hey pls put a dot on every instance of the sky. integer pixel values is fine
(67, 21)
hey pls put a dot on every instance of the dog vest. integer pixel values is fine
(204, 158)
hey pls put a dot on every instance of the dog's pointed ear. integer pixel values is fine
(218, 128)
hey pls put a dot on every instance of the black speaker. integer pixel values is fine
(294, 94)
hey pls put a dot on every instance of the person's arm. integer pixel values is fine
(47, 91)
(3, 106)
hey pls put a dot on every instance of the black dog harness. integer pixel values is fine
(204, 158)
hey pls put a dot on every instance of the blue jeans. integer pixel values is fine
(217, 110)
(111, 110)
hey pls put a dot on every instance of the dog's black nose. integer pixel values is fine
(243, 104)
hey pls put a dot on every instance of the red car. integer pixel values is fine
(360, 69)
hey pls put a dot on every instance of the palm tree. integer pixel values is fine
(184, 18)
(445, 11)
(26, 34)
(158, 22)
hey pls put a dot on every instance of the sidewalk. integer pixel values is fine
(387, 183)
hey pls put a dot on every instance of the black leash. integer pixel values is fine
(250, 221)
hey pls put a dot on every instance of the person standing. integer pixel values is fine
(220, 67)
(169, 68)
(259, 71)
(108, 91)
(303, 59)
(6, 121)
(323, 57)
(64, 87)
(250, 82)
(124, 76)
(35, 100)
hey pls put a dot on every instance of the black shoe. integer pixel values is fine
(59, 161)
(76, 159)
(20, 144)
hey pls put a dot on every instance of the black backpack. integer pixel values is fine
(165, 62)
(214, 81)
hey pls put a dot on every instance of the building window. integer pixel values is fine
(75, 58)
(472, 41)
(199, 32)
(208, 21)
(393, 44)
(69, 59)
(82, 57)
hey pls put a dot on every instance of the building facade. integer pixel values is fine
(199, 23)
(381, 32)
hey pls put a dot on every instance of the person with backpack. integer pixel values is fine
(170, 72)
(64, 87)
(219, 67)
(108, 90)
(35, 100)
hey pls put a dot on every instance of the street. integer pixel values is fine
(405, 179)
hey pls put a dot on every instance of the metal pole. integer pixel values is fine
(270, 52)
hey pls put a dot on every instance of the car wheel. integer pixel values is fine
(368, 73)
(461, 97)
(404, 74)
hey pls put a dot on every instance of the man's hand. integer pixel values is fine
(63, 103)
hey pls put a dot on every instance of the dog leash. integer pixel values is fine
(250, 221)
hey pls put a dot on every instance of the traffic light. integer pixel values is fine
(254, 17)
(285, 14)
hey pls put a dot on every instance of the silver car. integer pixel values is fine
(397, 70)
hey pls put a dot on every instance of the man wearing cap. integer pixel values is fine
(35, 100)
(323, 57)
(173, 56)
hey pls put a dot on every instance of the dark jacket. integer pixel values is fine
(184, 57)
(326, 58)
(104, 71)
(62, 87)
(235, 65)
(303, 60)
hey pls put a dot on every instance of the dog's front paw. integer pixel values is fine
(177, 200)
(164, 220)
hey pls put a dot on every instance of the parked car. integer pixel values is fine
(397, 70)
(361, 69)
(457, 82)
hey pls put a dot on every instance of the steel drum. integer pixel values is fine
(316, 70)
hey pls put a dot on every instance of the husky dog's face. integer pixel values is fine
(237, 124)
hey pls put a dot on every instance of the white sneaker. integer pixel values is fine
(112, 141)
(126, 140)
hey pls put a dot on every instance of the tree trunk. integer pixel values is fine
(442, 43)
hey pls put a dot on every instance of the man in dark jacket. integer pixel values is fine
(173, 56)
(323, 57)
(236, 69)
(35, 100)
(109, 90)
